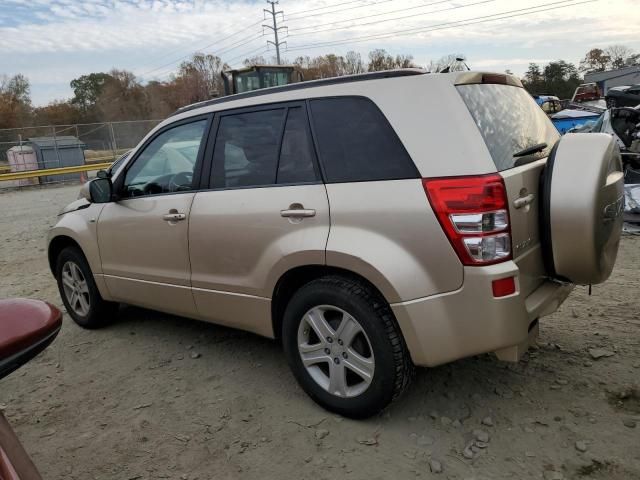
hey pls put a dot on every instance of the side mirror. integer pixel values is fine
(27, 327)
(100, 190)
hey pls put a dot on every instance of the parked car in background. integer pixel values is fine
(586, 92)
(549, 103)
(27, 327)
(571, 118)
(627, 96)
(336, 216)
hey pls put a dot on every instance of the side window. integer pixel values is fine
(246, 151)
(167, 164)
(296, 157)
(356, 142)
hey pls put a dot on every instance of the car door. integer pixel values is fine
(143, 237)
(265, 213)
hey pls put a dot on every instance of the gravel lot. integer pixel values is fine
(156, 396)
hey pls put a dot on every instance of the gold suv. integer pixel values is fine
(371, 223)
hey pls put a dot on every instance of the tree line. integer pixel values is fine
(120, 95)
(561, 78)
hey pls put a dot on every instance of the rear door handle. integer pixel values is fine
(298, 213)
(174, 217)
(524, 201)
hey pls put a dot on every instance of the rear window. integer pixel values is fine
(509, 120)
(356, 142)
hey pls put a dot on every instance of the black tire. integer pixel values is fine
(100, 312)
(611, 103)
(393, 366)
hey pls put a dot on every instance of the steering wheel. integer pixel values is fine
(152, 188)
(181, 181)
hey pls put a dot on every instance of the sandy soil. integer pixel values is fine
(131, 401)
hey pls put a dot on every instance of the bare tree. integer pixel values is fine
(380, 60)
(255, 60)
(452, 62)
(618, 55)
(202, 72)
(353, 63)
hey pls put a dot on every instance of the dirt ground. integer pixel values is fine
(155, 396)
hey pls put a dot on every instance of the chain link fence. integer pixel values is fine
(55, 146)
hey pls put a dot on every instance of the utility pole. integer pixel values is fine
(275, 27)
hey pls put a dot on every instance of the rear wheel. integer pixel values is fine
(344, 347)
(79, 292)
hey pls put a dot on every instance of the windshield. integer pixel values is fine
(509, 120)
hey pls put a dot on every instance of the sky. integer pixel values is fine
(54, 41)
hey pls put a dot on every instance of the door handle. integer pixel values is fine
(298, 213)
(524, 201)
(174, 217)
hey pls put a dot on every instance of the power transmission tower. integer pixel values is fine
(275, 27)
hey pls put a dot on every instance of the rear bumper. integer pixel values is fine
(470, 321)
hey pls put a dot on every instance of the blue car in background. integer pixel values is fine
(571, 119)
(566, 119)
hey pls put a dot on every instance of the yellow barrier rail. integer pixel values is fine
(53, 171)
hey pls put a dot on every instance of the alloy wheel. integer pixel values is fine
(76, 289)
(336, 351)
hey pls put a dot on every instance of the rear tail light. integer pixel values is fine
(473, 212)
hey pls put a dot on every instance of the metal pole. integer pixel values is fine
(114, 144)
(275, 28)
(55, 146)
(275, 31)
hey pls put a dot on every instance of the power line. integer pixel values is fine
(442, 26)
(208, 45)
(257, 51)
(238, 43)
(394, 18)
(327, 6)
(242, 41)
(289, 19)
(372, 15)
(218, 53)
(275, 26)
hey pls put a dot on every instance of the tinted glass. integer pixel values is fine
(356, 142)
(167, 164)
(247, 81)
(296, 160)
(509, 120)
(246, 151)
(273, 78)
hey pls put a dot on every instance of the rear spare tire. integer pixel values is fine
(582, 204)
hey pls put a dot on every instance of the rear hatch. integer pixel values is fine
(511, 123)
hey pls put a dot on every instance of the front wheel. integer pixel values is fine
(79, 292)
(345, 347)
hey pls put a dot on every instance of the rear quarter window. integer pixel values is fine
(509, 120)
(356, 142)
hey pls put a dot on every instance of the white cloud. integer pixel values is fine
(52, 39)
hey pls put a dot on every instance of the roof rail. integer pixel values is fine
(403, 72)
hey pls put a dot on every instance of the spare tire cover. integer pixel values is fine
(582, 205)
